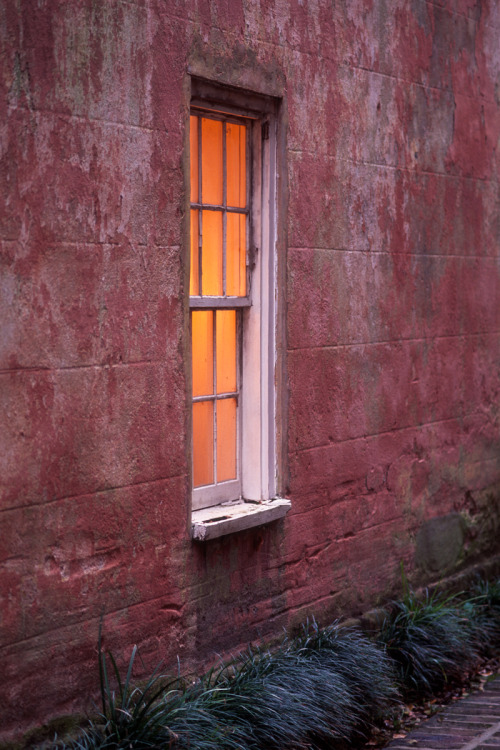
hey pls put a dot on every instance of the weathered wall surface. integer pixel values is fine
(391, 115)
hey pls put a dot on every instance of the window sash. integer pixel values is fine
(212, 444)
(220, 490)
(203, 205)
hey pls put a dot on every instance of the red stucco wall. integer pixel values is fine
(390, 121)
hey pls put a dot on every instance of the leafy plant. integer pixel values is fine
(364, 666)
(309, 692)
(489, 593)
(325, 686)
(285, 699)
(130, 715)
(429, 640)
(482, 609)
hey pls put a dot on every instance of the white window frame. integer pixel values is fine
(258, 358)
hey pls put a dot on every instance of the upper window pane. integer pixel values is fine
(211, 254)
(219, 213)
(211, 167)
(236, 165)
(236, 255)
(194, 158)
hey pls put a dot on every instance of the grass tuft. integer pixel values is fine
(287, 699)
(359, 661)
(481, 609)
(429, 640)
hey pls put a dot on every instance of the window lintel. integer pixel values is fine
(215, 97)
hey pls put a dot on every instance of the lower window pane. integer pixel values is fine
(202, 352)
(226, 350)
(203, 443)
(226, 439)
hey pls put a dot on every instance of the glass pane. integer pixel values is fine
(203, 443)
(194, 278)
(193, 156)
(236, 255)
(202, 352)
(226, 439)
(236, 165)
(211, 254)
(211, 164)
(226, 350)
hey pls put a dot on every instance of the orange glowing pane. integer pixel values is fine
(193, 137)
(236, 165)
(203, 443)
(225, 337)
(236, 255)
(202, 352)
(211, 165)
(211, 253)
(226, 439)
(194, 277)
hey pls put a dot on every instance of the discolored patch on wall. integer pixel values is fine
(439, 543)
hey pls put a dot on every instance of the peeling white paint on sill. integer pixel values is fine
(210, 523)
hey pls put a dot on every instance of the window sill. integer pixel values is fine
(210, 523)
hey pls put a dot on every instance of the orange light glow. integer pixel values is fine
(202, 352)
(211, 167)
(222, 273)
(194, 278)
(193, 136)
(236, 165)
(226, 439)
(226, 350)
(211, 253)
(236, 255)
(203, 443)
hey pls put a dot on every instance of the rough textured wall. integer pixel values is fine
(391, 119)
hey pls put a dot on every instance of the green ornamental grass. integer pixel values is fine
(325, 687)
(428, 638)
(482, 608)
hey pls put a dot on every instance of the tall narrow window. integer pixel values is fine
(231, 302)
(218, 284)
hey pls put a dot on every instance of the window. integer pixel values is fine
(232, 297)
(218, 278)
